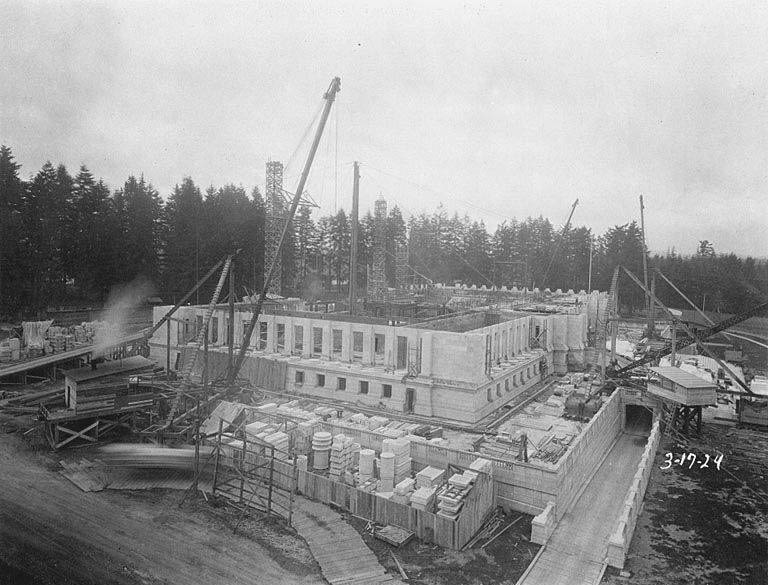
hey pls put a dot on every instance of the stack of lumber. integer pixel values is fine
(551, 450)
(28, 403)
(341, 456)
(429, 477)
(450, 498)
(501, 447)
(94, 399)
(424, 498)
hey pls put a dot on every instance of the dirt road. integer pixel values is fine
(51, 532)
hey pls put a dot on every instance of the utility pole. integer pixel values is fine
(231, 330)
(353, 246)
(589, 279)
(168, 349)
(648, 303)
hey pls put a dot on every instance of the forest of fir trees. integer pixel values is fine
(68, 239)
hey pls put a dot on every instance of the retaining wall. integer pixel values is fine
(618, 544)
(584, 456)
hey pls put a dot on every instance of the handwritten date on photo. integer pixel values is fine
(691, 459)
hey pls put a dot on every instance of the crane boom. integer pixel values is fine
(329, 98)
(559, 242)
(685, 340)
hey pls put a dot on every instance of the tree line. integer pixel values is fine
(70, 238)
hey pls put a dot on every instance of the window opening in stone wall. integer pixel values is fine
(298, 338)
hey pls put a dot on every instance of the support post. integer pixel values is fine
(231, 331)
(205, 369)
(648, 302)
(353, 245)
(652, 307)
(242, 466)
(218, 455)
(271, 477)
(615, 321)
(673, 329)
(294, 483)
(197, 451)
(168, 348)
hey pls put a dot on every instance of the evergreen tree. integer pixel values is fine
(12, 249)
(183, 217)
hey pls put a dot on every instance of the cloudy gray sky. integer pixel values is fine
(494, 109)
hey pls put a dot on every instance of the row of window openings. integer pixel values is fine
(523, 377)
(341, 384)
(379, 340)
(190, 330)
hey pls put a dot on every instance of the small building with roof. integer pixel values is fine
(682, 387)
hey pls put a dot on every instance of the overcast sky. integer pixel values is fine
(494, 109)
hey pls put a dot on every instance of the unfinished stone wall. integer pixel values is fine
(587, 452)
(618, 544)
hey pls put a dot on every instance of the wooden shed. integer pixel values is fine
(85, 375)
(681, 387)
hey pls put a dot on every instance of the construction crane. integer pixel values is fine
(559, 242)
(691, 336)
(685, 340)
(329, 98)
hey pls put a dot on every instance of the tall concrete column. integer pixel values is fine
(389, 347)
(426, 354)
(327, 340)
(346, 342)
(368, 355)
(272, 335)
(306, 350)
(288, 336)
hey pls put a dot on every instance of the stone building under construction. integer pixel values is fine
(459, 367)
